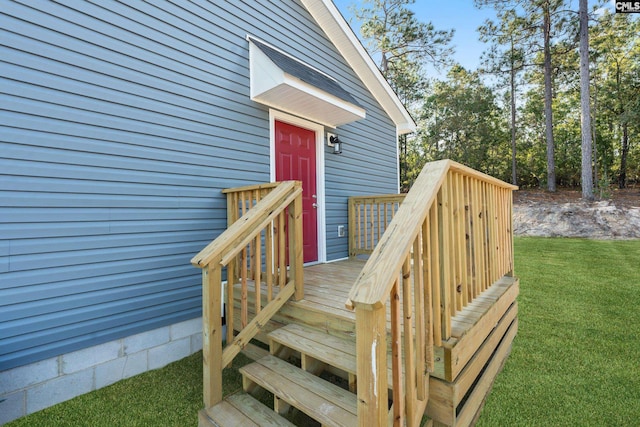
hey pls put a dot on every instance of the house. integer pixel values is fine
(261, 138)
(120, 125)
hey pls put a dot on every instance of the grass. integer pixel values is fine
(576, 358)
(575, 361)
(171, 396)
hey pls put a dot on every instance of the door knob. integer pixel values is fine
(315, 205)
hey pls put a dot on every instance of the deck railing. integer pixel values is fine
(450, 239)
(264, 237)
(239, 201)
(369, 217)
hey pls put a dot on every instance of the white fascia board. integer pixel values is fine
(325, 97)
(338, 31)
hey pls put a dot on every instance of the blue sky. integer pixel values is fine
(460, 15)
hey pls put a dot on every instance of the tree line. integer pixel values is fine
(523, 115)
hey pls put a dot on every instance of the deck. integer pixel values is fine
(488, 323)
(423, 326)
(323, 307)
(326, 290)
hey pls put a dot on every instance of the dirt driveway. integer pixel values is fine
(565, 214)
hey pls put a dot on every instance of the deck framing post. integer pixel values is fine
(211, 334)
(232, 267)
(296, 255)
(371, 353)
(352, 228)
(445, 284)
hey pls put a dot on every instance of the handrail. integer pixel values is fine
(449, 240)
(374, 283)
(234, 238)
(252, 188)
(259, 229)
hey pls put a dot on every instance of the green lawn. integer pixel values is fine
(575, 361)
(171, 396)
(576, 358)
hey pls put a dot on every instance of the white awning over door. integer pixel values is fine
(283, 82)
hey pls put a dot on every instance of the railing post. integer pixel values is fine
(511, 272)
(296, 256)
(232, 273)
(444, 234)
(398, 393)
(434, 273)
(371, 353)
(211, 334)
(352, 228)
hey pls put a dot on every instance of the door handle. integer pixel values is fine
(315, 205)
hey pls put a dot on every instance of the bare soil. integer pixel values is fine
(565, 214)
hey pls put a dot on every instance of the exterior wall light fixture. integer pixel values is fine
(334, 141)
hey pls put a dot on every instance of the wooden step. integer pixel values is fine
(334, 351)
(240, 409)
(327, 403)
(329, 349)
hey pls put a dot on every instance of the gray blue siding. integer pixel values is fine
(119, 126)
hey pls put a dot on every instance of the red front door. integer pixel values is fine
(295, 151)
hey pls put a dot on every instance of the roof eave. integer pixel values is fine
(339, 32)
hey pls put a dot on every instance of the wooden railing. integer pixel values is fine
(450, 240)
(369, 217)
(255, 249)
(239, 201)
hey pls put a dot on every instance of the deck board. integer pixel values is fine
(326, 291)
(327, 287)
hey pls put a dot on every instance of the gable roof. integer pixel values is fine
(342, 36)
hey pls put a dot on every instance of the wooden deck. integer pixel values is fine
(466, 364)
(326, 289)
(323, 306)
(327, 286)
(423, 326)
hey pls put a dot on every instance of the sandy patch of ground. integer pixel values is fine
(565, 214)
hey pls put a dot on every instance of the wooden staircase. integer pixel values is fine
(293, 385)
(433, 307)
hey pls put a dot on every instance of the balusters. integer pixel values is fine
(369, 217)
